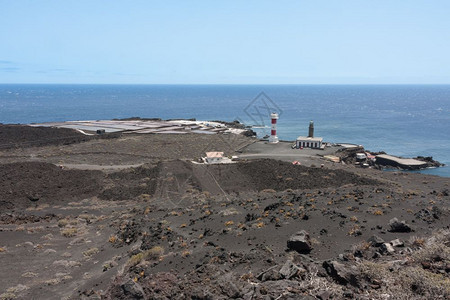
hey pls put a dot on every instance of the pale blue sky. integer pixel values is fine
(232, 42)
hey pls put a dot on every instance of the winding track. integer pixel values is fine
(98, 167)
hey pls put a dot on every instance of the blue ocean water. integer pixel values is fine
(405, 120)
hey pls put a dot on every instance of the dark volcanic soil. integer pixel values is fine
(173, 229)
(20, 136)
(30, 183)
(252, 176)
(234, 245)
(278, 175)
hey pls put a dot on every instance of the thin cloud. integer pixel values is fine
(8, 66)
(50, 71)
(9, 69)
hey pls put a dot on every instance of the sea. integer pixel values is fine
(403, 120)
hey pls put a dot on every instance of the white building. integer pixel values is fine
(214, 157)
(309, 142)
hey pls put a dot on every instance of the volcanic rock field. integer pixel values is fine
(137, 217)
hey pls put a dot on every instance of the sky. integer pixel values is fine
(225, 42)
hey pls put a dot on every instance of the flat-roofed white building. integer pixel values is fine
(214, 157)
(309, 142)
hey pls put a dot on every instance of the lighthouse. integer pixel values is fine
(310, 141)
(311, 129)
(273, 132)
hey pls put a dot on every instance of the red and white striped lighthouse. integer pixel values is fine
(273, 132)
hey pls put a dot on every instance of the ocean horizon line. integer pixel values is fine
(234, 84)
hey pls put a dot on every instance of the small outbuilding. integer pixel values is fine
(214, 157)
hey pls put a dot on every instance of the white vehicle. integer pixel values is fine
(361, 156)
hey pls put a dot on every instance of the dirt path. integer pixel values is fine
(99, 167)
(207, 179)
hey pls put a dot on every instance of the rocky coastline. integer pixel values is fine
(348, 156)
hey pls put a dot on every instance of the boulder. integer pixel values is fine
(300, 242)
(271, 275)
(325, 295)
(249, 133)
(200, 294)
(376, 255)
(291, 270)
(387, 248)
(375, 241)
(133, 290)
(228, 287)
(397, 243)
(281, 289)
(429, 215)
(399, 226)
(341, 273)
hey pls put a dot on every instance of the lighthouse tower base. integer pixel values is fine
(273, 139)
